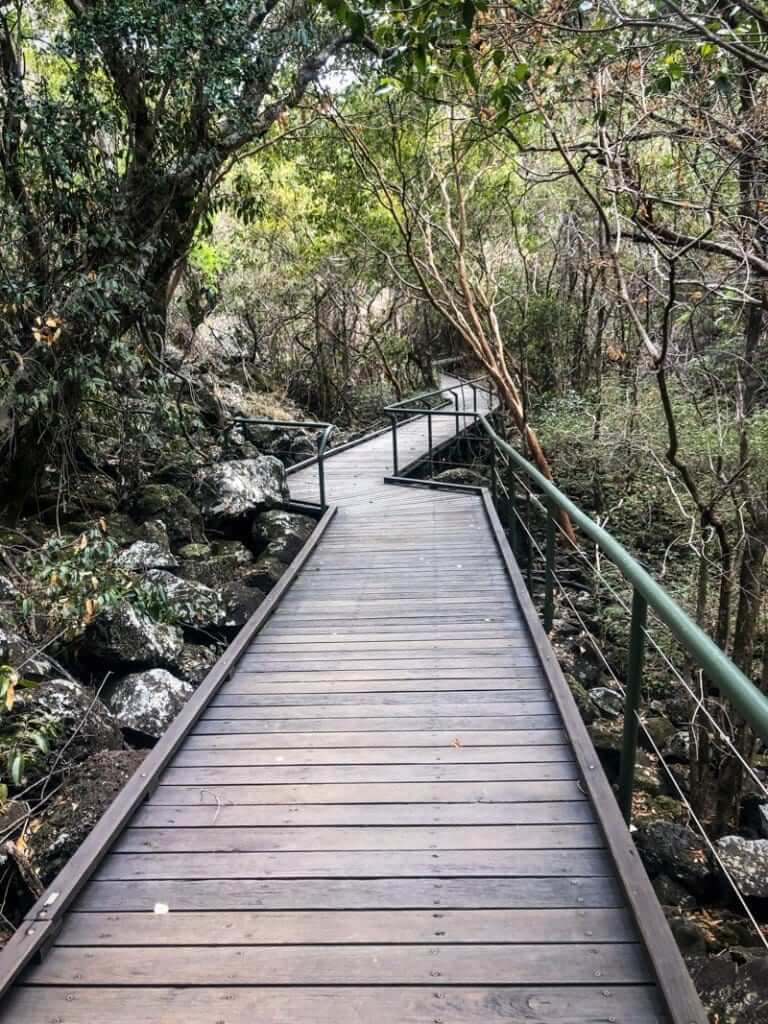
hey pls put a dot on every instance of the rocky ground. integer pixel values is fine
(107, 625)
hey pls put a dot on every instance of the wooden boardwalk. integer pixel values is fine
(381, 816)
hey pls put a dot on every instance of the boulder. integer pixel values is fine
(123, 637)
(193, 604)
(282, 534)
(583, 703)
(463, 475)
(660, 730)
(672, 894)
(220, 564)
(195, 662)
(143, 555)
(195, 551)
(181, 517)
(76, 808)
(689, 935)
(265, 573)
(145, 703)
(607, 736)
(762, 812)
(677, 749)
(20, 655)
(240, 602)
(648, 777)
(71, 718)
(677, 852)
(746, 861)
(610, 702)
(732, 993)
(233, 490)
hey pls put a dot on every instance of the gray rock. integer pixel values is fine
(463, 475)
(648, 778)
(180, 515)
(195, 551)
(746, 861)
(192, 603)
(610, 702)
(240, 603)
(233, 490)
(672, 894)
(143, 555)
(678, 747)
(195, 662)
(123, 637)
(762, 812)
(583, 703)
(732, 993)
(265, 573)
(71, 717)
(675, 851)
(660, 730)
(20, 655)
(147, 702)
(282, 534)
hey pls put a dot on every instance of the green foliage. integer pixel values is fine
(25, 740)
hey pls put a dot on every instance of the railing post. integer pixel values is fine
(635, 660)
(549, 573)
(429, 443)
(321, 470)
(456, 406)
(513, 512)
(494, 487)
(393, 418)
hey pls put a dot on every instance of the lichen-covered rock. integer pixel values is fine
(195, 662)
(233, 490)
(240, 603)
(145, 703)
(660, 731)
(607, 736)
(732, 993)
(224, 562)
(195, 551)
(608, 701)
(463, 475)
(678, 747)
(746, 861)
(672, 894)
(77, 807)
(143, 555)
(123, 637)
(675, 851)
(71, 718)
(20, 655)
(192, 603)
(282, 534)
(265, 573)
(180, 515)
(583, 703)
(647, 774)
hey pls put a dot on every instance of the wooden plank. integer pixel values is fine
(243, 684)
(189, 758)
(356, 864)
(331, 775)
(570, 894)
(630, 1004)
(212, 813)
(275, 928)
(370, 793)
(360, 710)
(218, 839)
(438, 723)
(460, 699)
(436, 738)
(486, 964)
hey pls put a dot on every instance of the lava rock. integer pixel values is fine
(143, 555)
(178, 512)
(233, 490)
(608, 701)
(672, 894)
(221, 564)
(265, 573)
(689, 936)
(145, 703)
(746, 861)
(194, 605)
(675, 851)
(648, 778)
(463, 475)
(123, 637)
(660, 730)
(240, 602)
(70, 716)
(678, 748)
(732, 993)
(583, 703)
(20, 655)
(195, 662)
(77, 807)
(282, 534)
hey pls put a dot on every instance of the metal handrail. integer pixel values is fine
(322, 441)
(750, 702)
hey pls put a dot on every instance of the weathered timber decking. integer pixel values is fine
(390, 812)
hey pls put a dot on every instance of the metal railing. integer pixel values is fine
(704, 653)
(324, 431)
(408, 409)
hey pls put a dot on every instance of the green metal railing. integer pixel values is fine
(732, 683)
